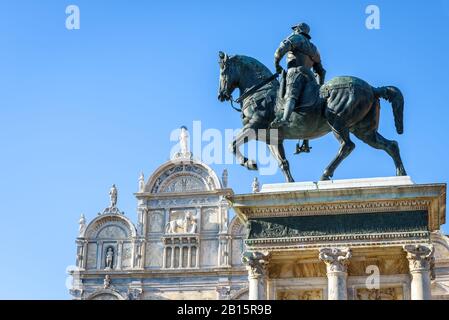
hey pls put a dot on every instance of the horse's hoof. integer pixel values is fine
(251, 165)
(401, 172)
(325, 178)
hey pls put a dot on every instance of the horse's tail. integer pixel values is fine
(395, 97)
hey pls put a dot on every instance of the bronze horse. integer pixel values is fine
(342, 105)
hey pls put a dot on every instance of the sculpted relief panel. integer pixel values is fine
(380, 294)
(182, 221)
(294, 269)
(312, 294)
(112, 232)
(182, 295)
(127, 255)
(91, 256)
(210, 219)
(237, 250)
(209, 250)
(154, 254)
(156, 221)
(185, 184)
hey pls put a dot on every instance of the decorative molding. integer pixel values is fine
(337, 208)
(98, 223)
(359, 240)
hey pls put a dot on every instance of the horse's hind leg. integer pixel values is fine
(376, 140)
(277, 150)
(346, 147)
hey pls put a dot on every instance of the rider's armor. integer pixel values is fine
(302, 55)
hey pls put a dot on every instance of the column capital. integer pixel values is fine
(336, 259)
(420, 257)
(256, 263)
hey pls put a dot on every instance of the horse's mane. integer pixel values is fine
(253, 64)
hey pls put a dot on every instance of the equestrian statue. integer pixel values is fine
(302, 106)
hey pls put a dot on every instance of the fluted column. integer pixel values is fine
(420, 258)
(336, 261)
(256, 264)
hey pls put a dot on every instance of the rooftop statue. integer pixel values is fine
(342, 105)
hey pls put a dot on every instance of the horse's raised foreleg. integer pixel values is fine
(346, 147)
(278, 152)
(376, 140)
(243, 137)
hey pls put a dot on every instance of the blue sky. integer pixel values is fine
(82, 109)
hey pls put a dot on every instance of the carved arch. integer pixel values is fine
(441, 245)
(241, 294)
(105, 293)
(236, 227)
(203, 177)
(98, 227)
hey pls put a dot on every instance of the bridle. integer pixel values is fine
(250, 91)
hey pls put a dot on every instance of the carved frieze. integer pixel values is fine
(393, 293)
(309, 294)
(297, 226)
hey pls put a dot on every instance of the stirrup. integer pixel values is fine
(279, 123)
(302, 149)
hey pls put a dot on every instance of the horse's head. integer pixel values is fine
(228, 77)
(241, 72)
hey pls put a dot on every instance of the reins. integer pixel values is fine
(250, 91)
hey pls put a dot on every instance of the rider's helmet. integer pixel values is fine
(302, 28)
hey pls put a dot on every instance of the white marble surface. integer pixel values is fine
(338, 184)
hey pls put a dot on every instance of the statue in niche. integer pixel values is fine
(113, 196)
(109, 258)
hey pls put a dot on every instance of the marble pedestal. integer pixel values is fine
(322, 237)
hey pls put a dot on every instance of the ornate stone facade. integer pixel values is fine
(368, 240)
(183, 246)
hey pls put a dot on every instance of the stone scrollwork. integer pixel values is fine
(336, 259)
(256, 263)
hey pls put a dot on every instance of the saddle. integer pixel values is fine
(309, 97)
